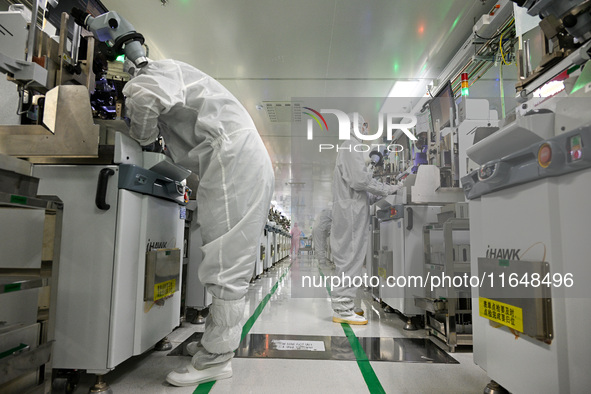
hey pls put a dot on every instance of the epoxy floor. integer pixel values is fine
(291, 312)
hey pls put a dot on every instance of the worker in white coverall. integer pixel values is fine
(295, 240)
(320, 234)
(208, 131)
(352, 181)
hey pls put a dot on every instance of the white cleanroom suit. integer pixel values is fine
(208, 131)
(295, 240)
(320, 234)
(352, 181)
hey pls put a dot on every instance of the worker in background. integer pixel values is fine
(208, 131)
(295, 240)
(352, 181)
(302, 239)
(320, 234)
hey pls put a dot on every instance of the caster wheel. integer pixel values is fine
(65, 382)
(163, 345)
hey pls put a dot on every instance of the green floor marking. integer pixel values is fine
(205, 388)
(369, 375)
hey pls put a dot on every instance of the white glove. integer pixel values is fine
(394, 188)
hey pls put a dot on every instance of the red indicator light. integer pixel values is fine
(465, 84)
(544, 155)
(576, 155)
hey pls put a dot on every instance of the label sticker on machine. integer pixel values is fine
(164, 289)
(310, 346)
(505, 314)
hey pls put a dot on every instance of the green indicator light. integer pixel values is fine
(576, 140)
(120, 58)
(12, 287)
(18, 199)
(465, 92)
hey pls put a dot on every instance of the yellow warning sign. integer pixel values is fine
(505, 314)
(164, 289)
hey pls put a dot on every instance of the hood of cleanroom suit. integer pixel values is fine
(185, 105)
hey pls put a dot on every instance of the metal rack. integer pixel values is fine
(26, 367)
(448, 310)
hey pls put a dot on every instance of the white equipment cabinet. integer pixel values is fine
(402, 239)
(397, 237)
(268, 262)
(274, 245)
(121, 258)
(529, 215)
(260, 257)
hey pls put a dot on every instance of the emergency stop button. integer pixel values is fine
(544, 155)
(576, 155)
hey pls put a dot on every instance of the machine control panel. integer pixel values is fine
(487, 171)
(556, 156)
(391, 212)
(144, 181)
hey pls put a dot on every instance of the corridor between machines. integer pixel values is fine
(290, 317)
(304, 196)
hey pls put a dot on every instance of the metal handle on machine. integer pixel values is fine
(101, 189)
(409, 214)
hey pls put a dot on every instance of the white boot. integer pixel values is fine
(352, 318)
(189, 376)
(192, 347)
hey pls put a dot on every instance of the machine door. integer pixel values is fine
(532, 212)
(274, 248)
(416, 217)
(268, 249)
(392, 239)
(145, 224)
(86, 262)
(162, 231)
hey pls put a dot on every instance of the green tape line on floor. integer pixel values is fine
(257, 312)
(205, 388)
(369, 375)
(372, 381)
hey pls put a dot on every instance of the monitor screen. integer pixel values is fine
(440, 105)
